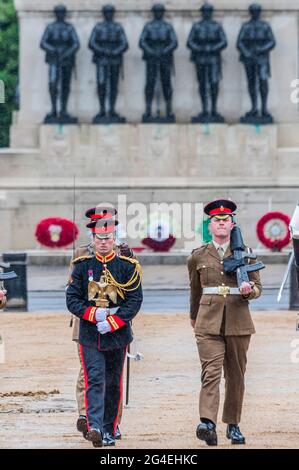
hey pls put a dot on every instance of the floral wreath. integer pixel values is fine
(163, 245)
(158, 233)
(56, 232)
(273, 230)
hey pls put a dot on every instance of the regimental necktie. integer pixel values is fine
(221, 252)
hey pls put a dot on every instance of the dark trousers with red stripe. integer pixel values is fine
(103, 371)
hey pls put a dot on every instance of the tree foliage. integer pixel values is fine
(8, 65)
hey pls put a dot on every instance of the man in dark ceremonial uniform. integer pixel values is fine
(104, 334)
(94, 214)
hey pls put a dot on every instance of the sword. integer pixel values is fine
(128, 376)
(74, 214)
(136, 357)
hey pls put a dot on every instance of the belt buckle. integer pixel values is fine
(223, 290)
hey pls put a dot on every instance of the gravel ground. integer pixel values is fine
(37, 394)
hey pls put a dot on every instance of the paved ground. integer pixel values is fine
(155, 301)
(46, 278)
(37, 400)
(165, 289)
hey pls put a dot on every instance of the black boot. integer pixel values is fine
(117, 433)
(233, 432)
(207, 432)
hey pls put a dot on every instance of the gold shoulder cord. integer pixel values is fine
(80, 258)
(127, 287)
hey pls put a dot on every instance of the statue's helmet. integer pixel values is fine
(108, 9)
(206, 8)
(255, 8)
(158, 7)
(60, 9)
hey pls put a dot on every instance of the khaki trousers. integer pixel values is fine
(217, 352)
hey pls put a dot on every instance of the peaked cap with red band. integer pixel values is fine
(104, 228)
(221, 208)
(99, 213)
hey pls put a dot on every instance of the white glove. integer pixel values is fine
(103, 327)
(101, 314)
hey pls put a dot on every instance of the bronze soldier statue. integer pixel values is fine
(158, 41)
(108, 42)
(60, 41)
(255, 42)
(206, 40)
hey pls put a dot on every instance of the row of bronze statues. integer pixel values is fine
(158, 41)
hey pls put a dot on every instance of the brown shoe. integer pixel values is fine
(95, 436)
(82, 425)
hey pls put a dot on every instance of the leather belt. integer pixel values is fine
(221, 290)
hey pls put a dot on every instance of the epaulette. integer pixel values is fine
(81, 258)
(199, 248)
(87, 247)
(132, 260)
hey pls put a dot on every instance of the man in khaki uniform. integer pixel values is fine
(222, 325)
(94, 214)
(82, 251)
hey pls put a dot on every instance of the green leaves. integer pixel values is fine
(8, 65)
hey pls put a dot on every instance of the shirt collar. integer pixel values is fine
(224, 246)
(105, 259)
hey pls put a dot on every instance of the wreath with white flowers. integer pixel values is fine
(273, 230)
(159, 236)
(56, 232)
